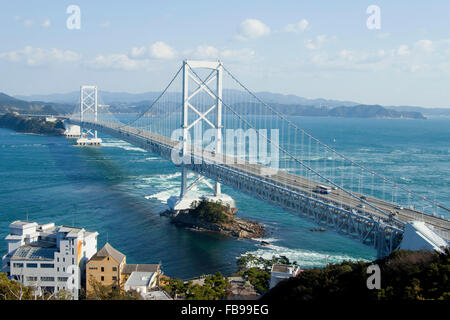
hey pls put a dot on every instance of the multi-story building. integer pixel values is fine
(48, 258)
(105, 267)
(108, 267)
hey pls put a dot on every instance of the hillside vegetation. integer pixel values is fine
(31, 125)
(405, 275)
(10, 104)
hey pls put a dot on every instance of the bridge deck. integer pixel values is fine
(295, 183)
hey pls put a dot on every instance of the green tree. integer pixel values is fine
(12, 290)
(102, 292)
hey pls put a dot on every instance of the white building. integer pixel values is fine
(72, 130)
(50, 119)
(281, 271)
(141, 282)
(48, 257)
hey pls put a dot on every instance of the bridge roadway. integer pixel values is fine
(289, 181)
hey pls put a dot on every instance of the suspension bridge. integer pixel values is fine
(230, 136)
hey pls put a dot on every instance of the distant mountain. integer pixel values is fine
(287, 104)
(11, 104)
(269, 97)
(124, 97)
(130, 99)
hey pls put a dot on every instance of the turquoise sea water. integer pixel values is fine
(119, 190)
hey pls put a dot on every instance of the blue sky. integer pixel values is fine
(314, 49)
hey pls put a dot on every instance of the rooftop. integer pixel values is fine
(109, 251)
(157, 295)
(21, 223)
(284, 268)
(130, 268)
(33, 253)
(139, 279)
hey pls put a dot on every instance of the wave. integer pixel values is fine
(304, 258)
(121, 145)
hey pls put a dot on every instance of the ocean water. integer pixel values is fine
(119, 191)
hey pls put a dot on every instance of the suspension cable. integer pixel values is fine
(331, 149)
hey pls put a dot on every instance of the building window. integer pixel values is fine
(114, 268)
(31, 278)
(103, 278)
(62, 279)
(18, 265)
(114, 278)
(57, 259)
(32, 265)
(103, 269)
(47, 279)
(93, 268)
(47, 265)
(73, 261)
(73, 252)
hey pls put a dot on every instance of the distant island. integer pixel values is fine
(216, 217)
(122, 102)
(358, 111)
(36, 125)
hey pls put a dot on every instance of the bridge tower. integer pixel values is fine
(89, 112)
(214, 91)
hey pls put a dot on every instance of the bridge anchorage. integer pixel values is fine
(357, 202)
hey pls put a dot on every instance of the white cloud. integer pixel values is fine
(208, 52)
(202, 52)
(137, 52)
(252, 29)
(298, 27)
(160, 50)
(318, 42)
(237, 54)
(424, 57)
(424, 46)
(47, 23)
(38, 57)
(403, 50)
(117, 61)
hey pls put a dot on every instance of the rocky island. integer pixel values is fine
(216, 217)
